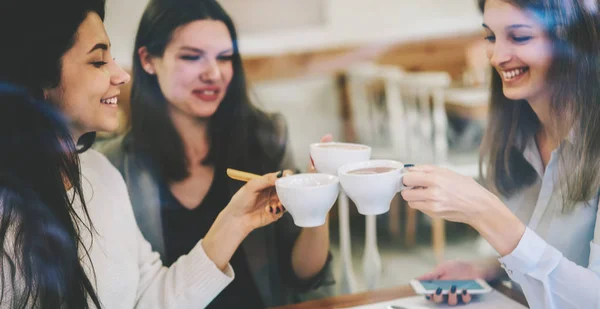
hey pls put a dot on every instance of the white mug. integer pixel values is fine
(328, 157)
(372, 192)
(308, 197)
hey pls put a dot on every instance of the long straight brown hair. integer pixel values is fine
(573, 28)
(237, 127)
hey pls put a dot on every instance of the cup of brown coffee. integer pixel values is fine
(371, 185)
(328, 157)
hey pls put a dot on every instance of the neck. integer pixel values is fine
(551, 130)
(193, 132)
(76, 134)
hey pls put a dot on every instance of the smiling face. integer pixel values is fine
(90, 80)
(519, 49)
(196, 68)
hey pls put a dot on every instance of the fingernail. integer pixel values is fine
(280, 174)
(453, 289)
(277, 211)
(428, 297)
(438, 291)
(464, 292)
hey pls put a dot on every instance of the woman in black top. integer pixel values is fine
(192, 119)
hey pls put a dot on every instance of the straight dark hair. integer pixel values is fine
(38, 236)
(237, 127)
(40, 231)
(572, 26)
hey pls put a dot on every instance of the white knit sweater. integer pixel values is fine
(128, 274)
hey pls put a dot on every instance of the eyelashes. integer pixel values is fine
(99, 64)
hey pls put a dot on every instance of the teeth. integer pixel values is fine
(208, 92)
(508, 75)
(111, 101)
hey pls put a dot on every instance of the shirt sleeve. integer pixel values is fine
(548, 279)
(191, 282)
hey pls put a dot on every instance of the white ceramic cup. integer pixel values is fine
(372, 193)
(329, 157)
(308, 197)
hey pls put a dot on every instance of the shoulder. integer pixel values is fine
(98, 169)
(114, 149)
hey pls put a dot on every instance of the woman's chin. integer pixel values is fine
(108, 127)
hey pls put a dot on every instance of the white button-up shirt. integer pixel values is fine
(557, 261)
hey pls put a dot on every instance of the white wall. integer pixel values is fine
(347, 22)
(122, 19)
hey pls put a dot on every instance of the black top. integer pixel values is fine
(183, 228)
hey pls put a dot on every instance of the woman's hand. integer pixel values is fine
(250, 208)
(256, 204)
(442, 193)
(439, 192)
(455, 270)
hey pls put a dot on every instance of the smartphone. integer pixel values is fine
(477, 286)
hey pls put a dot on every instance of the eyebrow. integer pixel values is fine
(515, 26)
(193, 49)
(200, 51)
(519, 26)
(101, 46)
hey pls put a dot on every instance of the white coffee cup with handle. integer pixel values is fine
(372, 185)
(308, 197)
(329, 157)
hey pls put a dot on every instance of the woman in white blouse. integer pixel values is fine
(542, 157)
(68, 235)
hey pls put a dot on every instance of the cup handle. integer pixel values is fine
(401, 186)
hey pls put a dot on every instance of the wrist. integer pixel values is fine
(237, 226)
(223, 239)
(500, 227)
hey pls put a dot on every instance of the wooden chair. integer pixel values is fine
(402, 116)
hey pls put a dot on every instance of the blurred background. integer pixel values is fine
(407, 77)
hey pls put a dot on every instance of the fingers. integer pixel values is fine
(287, 173)
(418, 194)
(264, 182)
(327, 138)
(423, 206)
(452, 297)
(466, 297)
(423, 168)
(270, 216)
(438, 297)
(274, 205)
(418, 179)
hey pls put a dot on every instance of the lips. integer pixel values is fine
(208, 94)
(513, 74)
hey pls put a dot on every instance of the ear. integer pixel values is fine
(146, 60)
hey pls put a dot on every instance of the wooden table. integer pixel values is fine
(380, 296)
